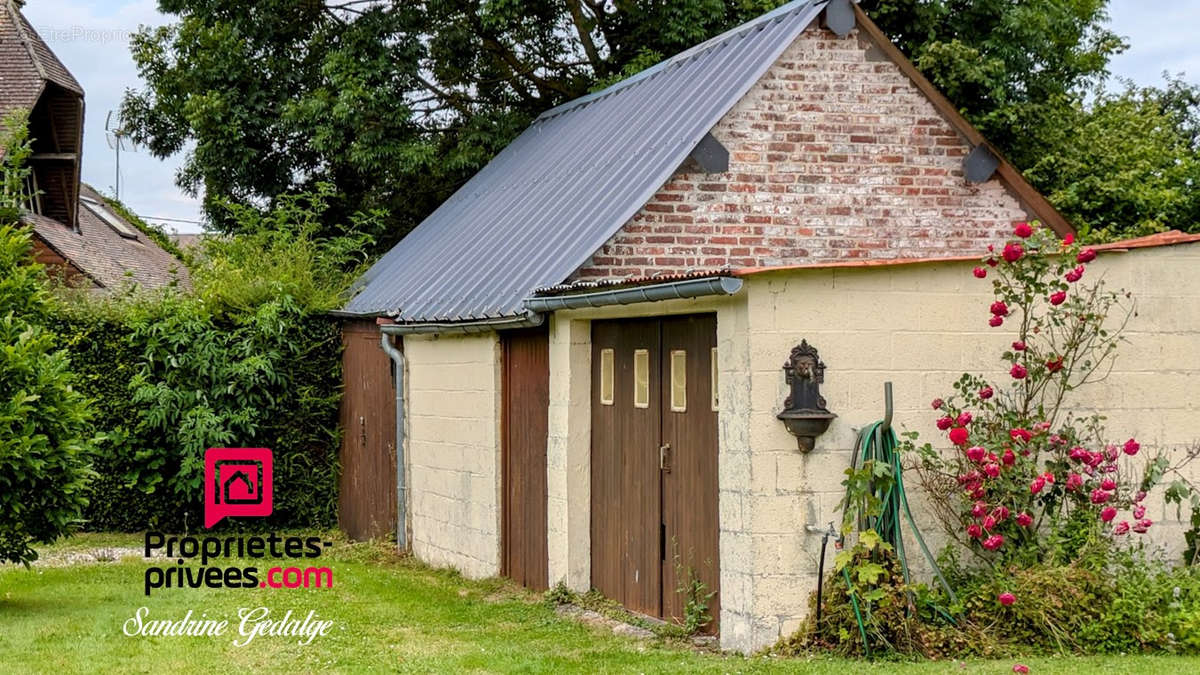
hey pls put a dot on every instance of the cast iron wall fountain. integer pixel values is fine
(804, 413)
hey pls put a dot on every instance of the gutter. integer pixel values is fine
(397, 358)
(689, 288)
(527, 320)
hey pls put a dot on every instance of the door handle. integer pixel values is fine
(664, 458)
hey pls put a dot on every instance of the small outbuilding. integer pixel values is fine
(586, 342)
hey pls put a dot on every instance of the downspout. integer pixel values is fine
(397, 357)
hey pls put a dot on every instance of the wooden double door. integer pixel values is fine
(654, 517)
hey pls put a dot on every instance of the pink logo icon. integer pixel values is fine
(237, 482)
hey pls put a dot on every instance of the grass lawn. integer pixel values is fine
(389, 614)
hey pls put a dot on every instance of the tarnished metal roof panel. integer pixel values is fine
(549, 200)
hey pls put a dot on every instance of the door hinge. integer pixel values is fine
(664, 458)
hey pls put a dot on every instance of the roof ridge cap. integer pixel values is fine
(777, 14)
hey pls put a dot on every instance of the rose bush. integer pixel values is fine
(1031, 480)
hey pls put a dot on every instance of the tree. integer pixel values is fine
(1126, 164)
(394, 103)
(1013, 67)
(44, 448)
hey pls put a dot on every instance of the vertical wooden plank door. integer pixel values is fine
(654, 461)
(367, 485)
(525, 419)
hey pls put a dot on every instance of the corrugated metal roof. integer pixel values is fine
(609, 284)
(549, 200)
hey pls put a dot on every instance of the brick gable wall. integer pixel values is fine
(834, 154)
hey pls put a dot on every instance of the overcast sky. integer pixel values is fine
(92, 39)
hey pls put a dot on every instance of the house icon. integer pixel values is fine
(249, 486)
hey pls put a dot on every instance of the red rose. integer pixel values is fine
(937, 403)
(996, 321)
(1142, 525)
(1000, 514)
(945, 423)
(1023, 230)
(992, 470)
(979, 272)
(1018, 372)
(975, 453)
(1069, 239)
(1049, 477)
(1132, 447)
(1079, 454)
(1139, 511)
(1108, 484)
(1074, 482)
(986, 393)
(1009, 458)
(1022, 435)
(1075, 274)
(1013, 252)
(1024, 519)
(958, 436)
(1121, 528)
(964, 418)
(999, 308)
(1058, 298)
(993, 542)
(992, 262)
(1100, 496)
(1086, 255)
(1018, 346)
(974, 531)
(978, 509)
(1006, 599)
(1055, 365)
(1107, 514)
(1037, 485)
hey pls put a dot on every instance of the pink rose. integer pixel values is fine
(1121, 528)
(1058, 298)
(1013, 252)
(1139, 512)
(1024, 519)
(1075, 274)
(1018, 346)
(993, 542)
(1111, 453)
(974, 531)
(1100, 496)
(1108, 484)
(978, 509)
(958, 436)
(976, 453)
(937, 403)
(1086, 255)
(1074, 482)
(986, 393)
(996, 321)
(1006, 599)
(1054, 365)
(964, 418)
(1037, 485)
(1000, 514)
(1009, 458)
(1132, 447)
(1020, 669)
(999, 308)
(1023, 230)
(1079, 454)
(1022, 435)
(1108, 513)
(979, 272)
(945, 423)
(1142, 525)
(989, 523)
(992, 470)
(1018, 372)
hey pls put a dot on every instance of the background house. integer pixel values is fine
(593, 328)
(77, 232)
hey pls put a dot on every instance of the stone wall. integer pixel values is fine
(453, 422)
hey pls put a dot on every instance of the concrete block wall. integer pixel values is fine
(453, 448)
(568, 454)
(834, 154)
(920, 326)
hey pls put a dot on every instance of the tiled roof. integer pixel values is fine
(105, 256)
(26, 62)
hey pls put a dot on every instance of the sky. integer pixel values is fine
(92, 38)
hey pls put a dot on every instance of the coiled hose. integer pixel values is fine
(877, 443)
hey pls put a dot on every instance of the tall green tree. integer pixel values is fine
(45, 445)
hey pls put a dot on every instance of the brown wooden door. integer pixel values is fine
(525, 419)
(689, 428)
(648, 515)
(367, 486)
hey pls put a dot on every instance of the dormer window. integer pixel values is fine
(103, 213)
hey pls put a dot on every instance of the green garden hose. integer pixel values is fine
(878, 443)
